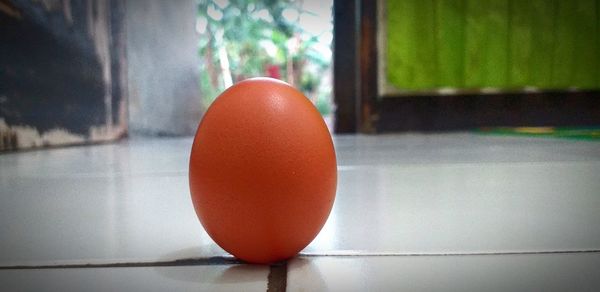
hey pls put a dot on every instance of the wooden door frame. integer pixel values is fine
(361, 109)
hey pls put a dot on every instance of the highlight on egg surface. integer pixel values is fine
(262, 171)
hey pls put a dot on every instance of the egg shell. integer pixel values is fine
(263, 171)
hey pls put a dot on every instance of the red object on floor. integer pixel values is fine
(263, 171)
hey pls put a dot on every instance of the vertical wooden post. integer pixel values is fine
(346, 73)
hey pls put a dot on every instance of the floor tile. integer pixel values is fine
(185, 278)
(538, 272)
(458, 148)
(97, 220)
(397, 194)
(464, 207)
(136, 157)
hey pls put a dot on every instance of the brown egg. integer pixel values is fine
(263, 171)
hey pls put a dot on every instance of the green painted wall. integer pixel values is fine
(509, 44)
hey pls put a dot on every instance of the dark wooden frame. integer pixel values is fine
(361, 109)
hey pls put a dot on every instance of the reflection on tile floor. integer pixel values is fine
(397, 195)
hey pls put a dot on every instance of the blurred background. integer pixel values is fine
(76, 72)
(287, 40)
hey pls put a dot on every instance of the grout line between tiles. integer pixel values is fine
(358, 253)
(277, 279)
(278, 271)
(174, 263)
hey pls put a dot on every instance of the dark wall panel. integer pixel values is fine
(61, 72)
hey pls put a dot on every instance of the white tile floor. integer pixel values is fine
(523, 272)
(413, 212)
(176, 278)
